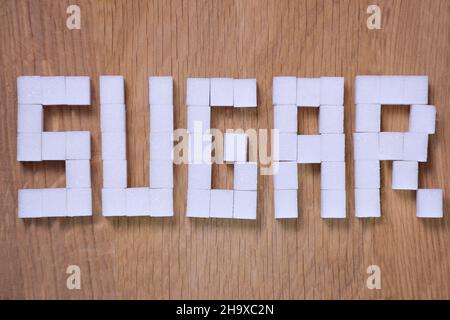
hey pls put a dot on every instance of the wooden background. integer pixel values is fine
(308, 258)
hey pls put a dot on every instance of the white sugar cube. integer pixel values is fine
(197, 93)
(78, 91)
(235, 147)
(30, 203)
(308, 148)
(368, 118)
(199, 176)
(286, 147)
(30, 118)
(284, 90)
(332, 204)
(161, 118)
(415, 146)
(308, 92)
(113, 117)
(54, 202)
(138, 202)
(422, 118)
(29, 90)
(160, 90)
(161, 146)
(244, 93)
(114, 202)
(429, 203)
(332, 175)
(405, 175)
(331, 119)
(199, 119)
(53, 146)
(78, 174)
(245, 176)
(416, 90)
(285, 118)
(221, 92)
(367, 174)
(221, 203)
(198, 203)
(392, 89)
(332, 147)
(332, 91)
(285, 176)
(29, 147)
(114, 173)
(112, 90)
(200, 148)
(285, 204)
(244, 205)
(161, 202)
(79, 202)
(53, 90)
(367, 203)
(114, 146)
(365, 146)
(367, 89)
(391, 146)
(161, 174)
(78, 145)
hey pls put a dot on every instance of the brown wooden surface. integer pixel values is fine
(182, 258)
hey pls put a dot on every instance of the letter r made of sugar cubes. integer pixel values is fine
(327, 148)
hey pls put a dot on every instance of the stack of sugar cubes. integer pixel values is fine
(405, 149)
(202, 200)
(117, 198)
(73, 147)
(326, 148)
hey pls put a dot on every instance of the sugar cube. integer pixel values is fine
(197, 93)
(160, 90)
(221, 92)
(308, 148)
(285, 118)
(137, 202)
(285, 176)
(429, 203)
(391, 146)
(332, 91)
(392, 89)
(333, 204)
(415, 146)
(332, 147)
(416, 90)
(308, 92)
(405, 175)
(332, 175)
(367, 203)
(78, 174)
(198, 203)
(30, 118)
(422, 119)
(244, 206)
(161, 202)
(53, 146)
(161, 118)
(78, 145)
(161, 174)
(284, 90)
(161, 146)
(367, 174)
(79, 202)
(221, 203)
(368, 118)
(286, 147)
(29, 147)
(29, 90)
(200, 148)
(115, 173)
(54, 202)
(30, 203)
(199, 119)
(78, 91)
(199, 176)
(112, 90)
(367, 89)
(53, 90)
(245, 176)
(365, 146)
(114, 202)
(285, 203)
(113, 117)
(244, 93)
(331, 119)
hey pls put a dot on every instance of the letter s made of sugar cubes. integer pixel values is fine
(406, 149)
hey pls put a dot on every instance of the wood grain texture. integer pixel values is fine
(308, 258)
